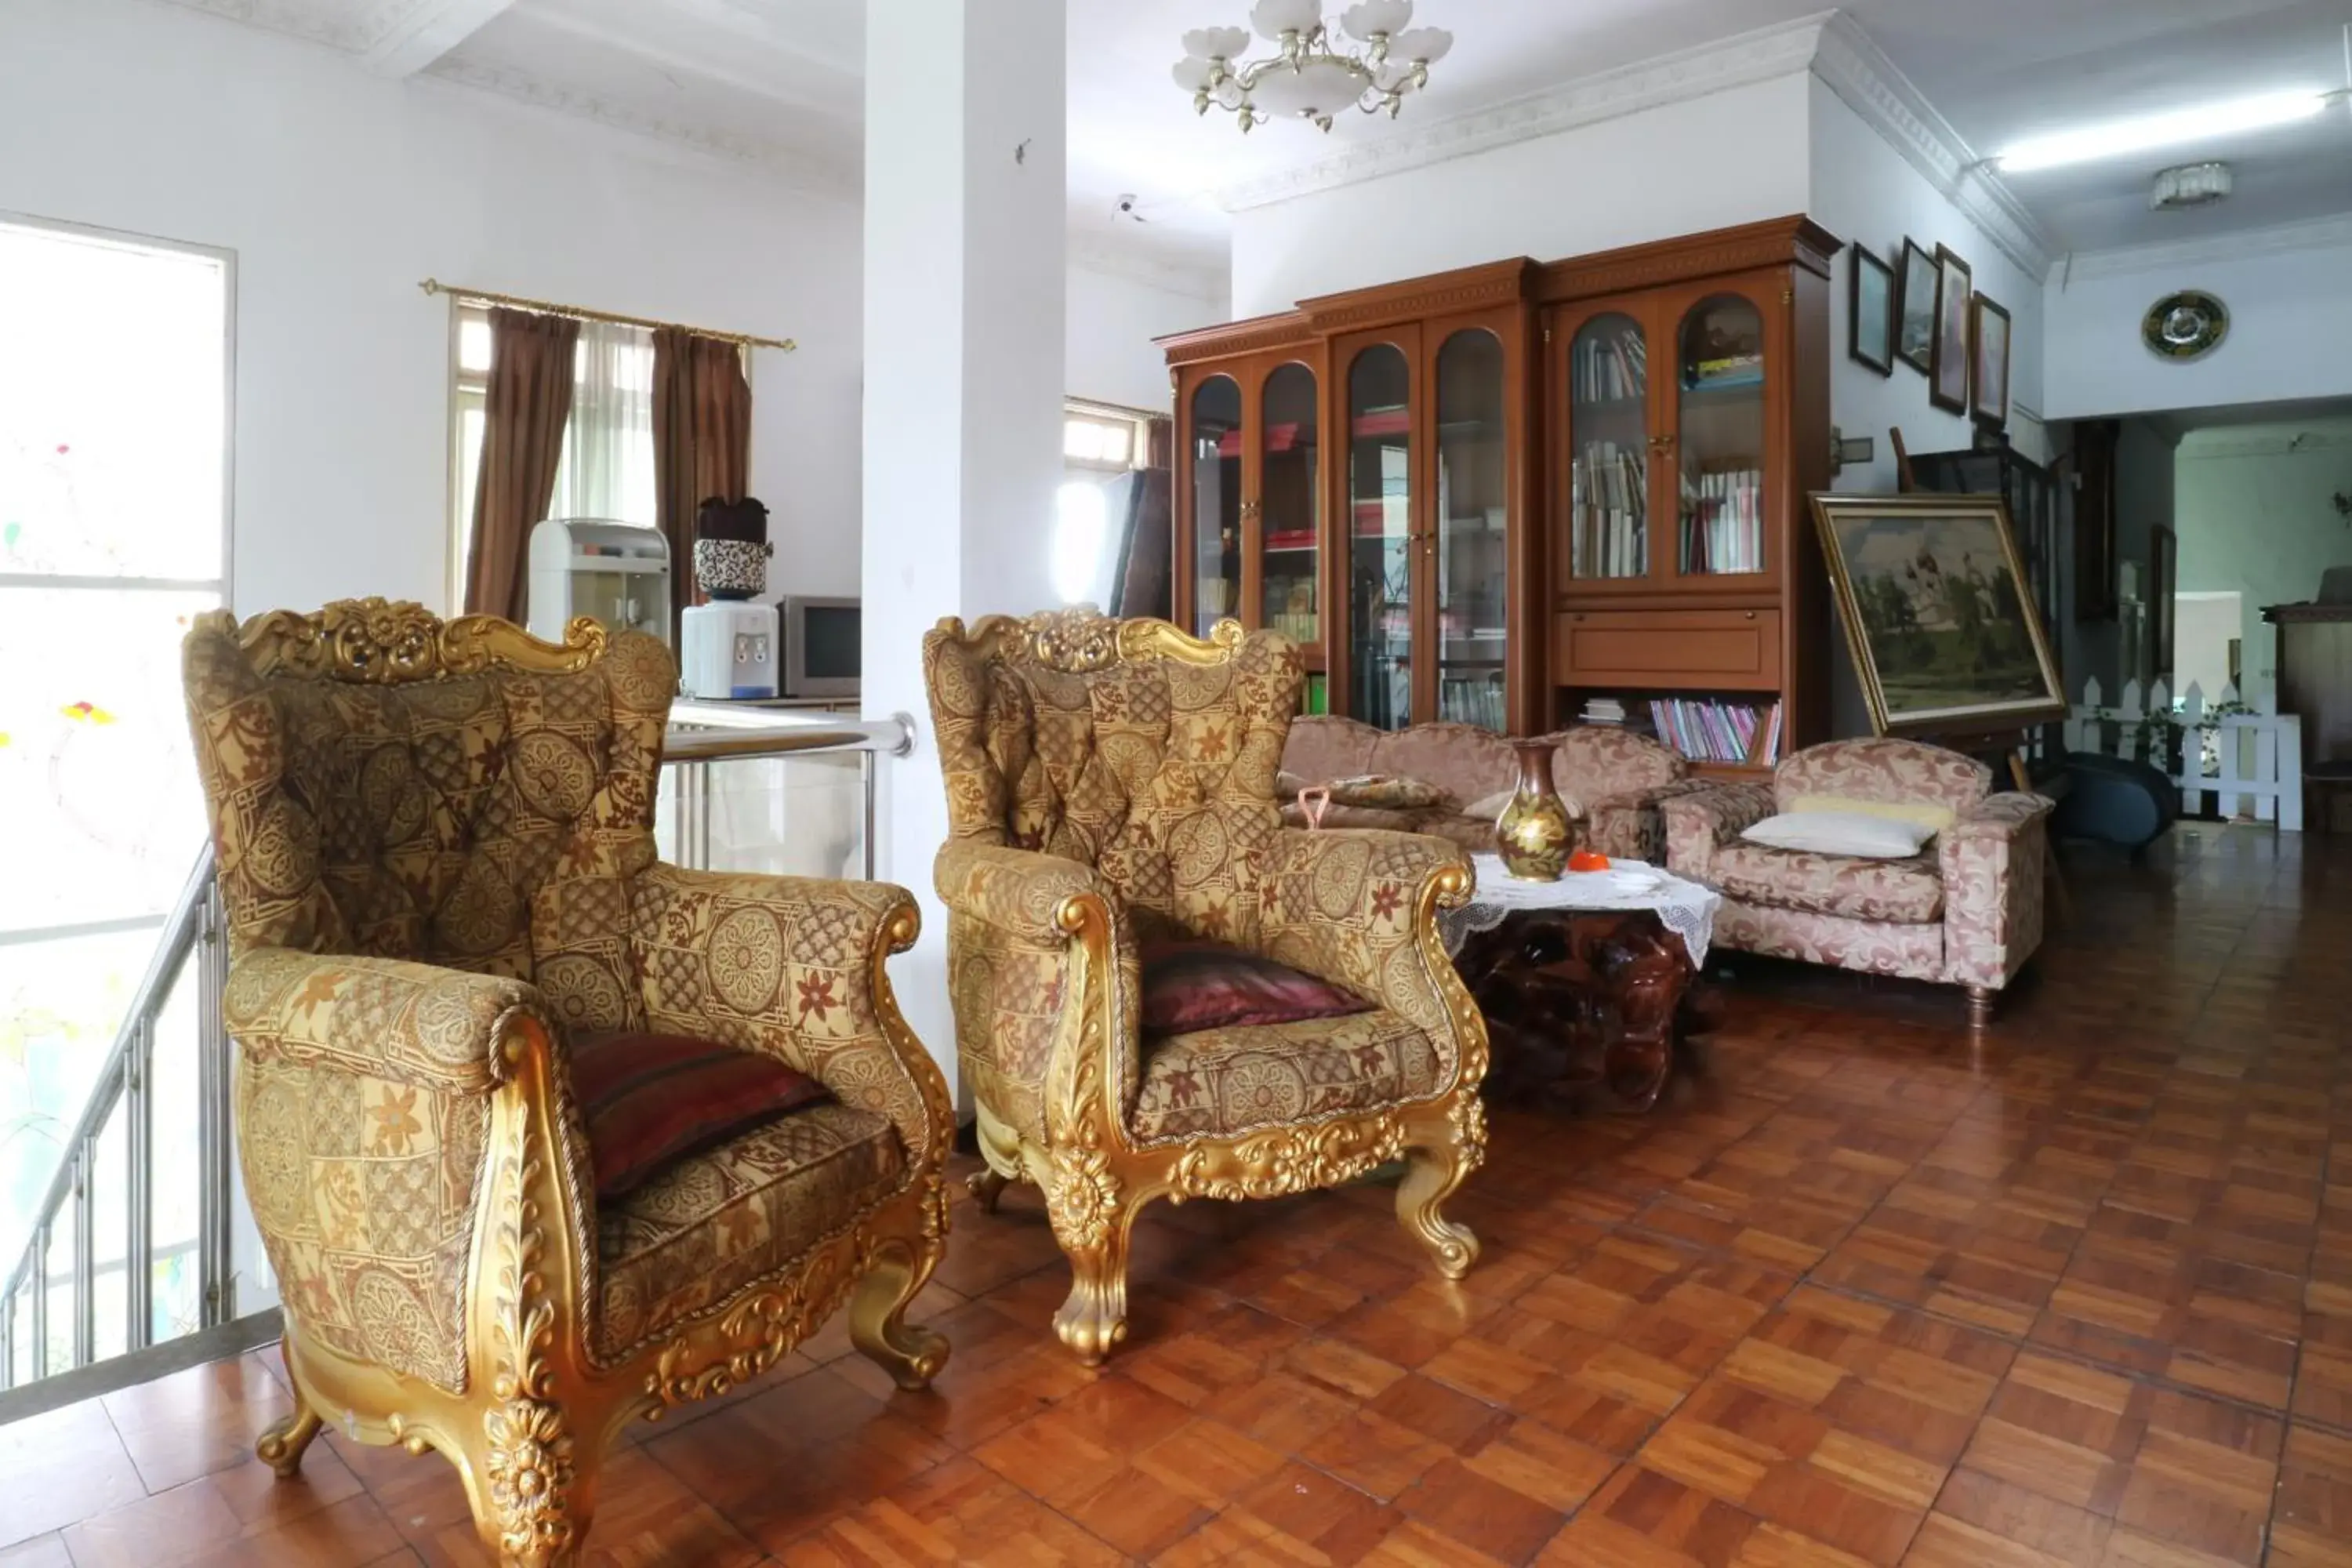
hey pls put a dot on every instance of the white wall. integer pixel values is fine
(338, 191)
(1113, 317)
(2253, 511)
(1732, 157)
(1866, 194)
(2290, 321)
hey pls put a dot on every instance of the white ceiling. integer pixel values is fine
(778, 82)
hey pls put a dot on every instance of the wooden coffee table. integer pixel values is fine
(1579, 997)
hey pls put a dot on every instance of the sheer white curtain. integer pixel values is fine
(607, 467)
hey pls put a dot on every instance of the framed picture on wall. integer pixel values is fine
(1938, 613)
(1988, 363)
(1870, 311)
(1914, 309)
(1948, 366)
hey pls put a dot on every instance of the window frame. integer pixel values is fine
(1078, 410)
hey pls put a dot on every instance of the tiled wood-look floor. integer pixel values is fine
(1865, 1294)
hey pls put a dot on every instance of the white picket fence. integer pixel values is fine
(2252, 759)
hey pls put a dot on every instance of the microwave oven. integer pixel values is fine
(820, 646)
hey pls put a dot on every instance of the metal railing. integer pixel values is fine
(702, 739)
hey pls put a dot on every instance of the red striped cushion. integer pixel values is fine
(1190, 985)
(649, 1099)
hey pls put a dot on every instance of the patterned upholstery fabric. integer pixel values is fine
(1229, 1082)
(1909, 891)
(1992, 861)
(1149, 783)
(711, 1224)
(1872, 947)
(364, 1188)
(1189, 986)
(415, 861)
(1983, 920)
(648, 1100)
(418, 820)
(1613, 778)
(1882, 769)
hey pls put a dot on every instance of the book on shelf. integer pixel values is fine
(1724, 372)
(1607, 711)
(1291, 539)
(1709, 729)
(1612, 366)
(1471, 699)
(1394, 420)
(1611, 488)
(1723, 520)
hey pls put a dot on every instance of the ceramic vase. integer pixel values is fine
(1533, 835)
(731, 568)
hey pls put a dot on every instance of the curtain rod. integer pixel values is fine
(548, 307)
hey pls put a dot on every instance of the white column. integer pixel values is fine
(965, 224)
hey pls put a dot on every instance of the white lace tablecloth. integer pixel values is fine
(1684, 908)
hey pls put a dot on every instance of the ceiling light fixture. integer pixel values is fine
(2161, 130)
(2189, 185)
(1309, 79)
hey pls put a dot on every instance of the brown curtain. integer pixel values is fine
(702, 442)
(529, 400)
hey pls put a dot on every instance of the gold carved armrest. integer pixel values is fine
(793, 967)
(415, 1024)
(1358, 906)
(1029, 1000)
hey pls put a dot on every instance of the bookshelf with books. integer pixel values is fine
(1688, 416)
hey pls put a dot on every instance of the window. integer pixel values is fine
(114, 460)
(1100, 446)
(606, 468)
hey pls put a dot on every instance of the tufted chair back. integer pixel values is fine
(1886, 770)
(1127, 745)
(387, 785)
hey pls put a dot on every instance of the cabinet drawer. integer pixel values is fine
(1736, 649)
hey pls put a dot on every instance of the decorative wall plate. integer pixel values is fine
(2185, 325)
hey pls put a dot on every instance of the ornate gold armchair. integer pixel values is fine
(435, 846)
(1111, 780)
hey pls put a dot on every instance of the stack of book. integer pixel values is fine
(1612, 494)
(1724, 372)
(1612, 366)
(1604, 710)
(1723, 520)
(1707, 730)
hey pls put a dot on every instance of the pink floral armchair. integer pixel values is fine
(1965, 911)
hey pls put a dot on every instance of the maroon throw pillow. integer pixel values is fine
(1192, 985)
(649, 1099)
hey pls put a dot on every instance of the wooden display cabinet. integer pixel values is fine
(1687, 420)
(1496, 511)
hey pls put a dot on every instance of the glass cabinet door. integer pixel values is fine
(1719, 431)
(1381, 537)
(1216, 460)
(1609, 463)
(1471, 527)
(1286, 516)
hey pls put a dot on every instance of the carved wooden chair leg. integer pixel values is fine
(1093, 1318)
(986, 1187)
(909, 1353)
(534, 1484)
(1429, 1176)
(282, 1446)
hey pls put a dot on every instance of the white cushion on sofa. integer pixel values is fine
(1857, 834)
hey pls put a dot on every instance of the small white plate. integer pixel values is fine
(1622, 882)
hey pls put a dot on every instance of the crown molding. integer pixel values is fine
(2319, 438)
(1094, 252)
(2319, 234)
(294, 19)
(581, 103)
(1850, 65)
(1759, 55)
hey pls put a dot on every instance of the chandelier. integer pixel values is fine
(1309, 79)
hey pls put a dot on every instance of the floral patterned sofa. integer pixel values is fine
(1613, 779)
(1965, 911)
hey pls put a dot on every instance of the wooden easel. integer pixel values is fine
(2009, 745)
